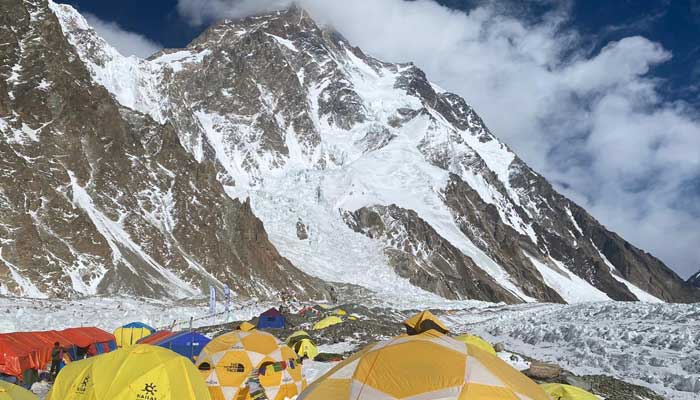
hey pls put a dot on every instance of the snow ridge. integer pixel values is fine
(370, 133)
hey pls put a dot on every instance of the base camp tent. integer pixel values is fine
(150, 339)
(9, 391)
(558, 391)
(243, 365)
(16, 357)
(428, 365)
(303, 345)
(423, 322)
(474, 340)
(129, 334)
(326, 322)
(93, 340)
(271, 319)
(245, 327)
(139, 372)
(186, 344)
(25, 351)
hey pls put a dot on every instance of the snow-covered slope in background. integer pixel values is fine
(311, 129)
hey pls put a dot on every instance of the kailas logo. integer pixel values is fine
(82, 387)
(148, 392)
(150, 388)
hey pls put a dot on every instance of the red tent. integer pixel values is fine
(20, 351)
(26, 340)
(45, 341)
(94, 339)
(84, 337)
(15, 357)
(154, 337)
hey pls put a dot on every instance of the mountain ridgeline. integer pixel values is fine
(271, 154)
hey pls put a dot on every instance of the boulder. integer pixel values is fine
(542, 370)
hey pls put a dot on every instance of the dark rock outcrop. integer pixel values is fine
(100, 199)
(422, 256)
(694, 280)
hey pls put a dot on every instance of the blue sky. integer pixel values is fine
(602, 97)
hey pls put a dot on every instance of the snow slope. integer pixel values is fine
(308, 128)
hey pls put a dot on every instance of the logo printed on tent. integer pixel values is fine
(235, 367)
(148, 392)
(82, 388)
(150, 388)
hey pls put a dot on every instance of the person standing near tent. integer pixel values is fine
(56, 358)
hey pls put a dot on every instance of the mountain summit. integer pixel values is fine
(150, 175)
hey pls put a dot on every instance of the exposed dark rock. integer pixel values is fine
(97, 198)
(419, 254)
(302, 231)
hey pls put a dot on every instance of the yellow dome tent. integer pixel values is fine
(340, 311)
(423, 322)
(302, 344)
(9, 391)
(240, 364)
(326, 322)
(429, 365)
(477, 341)
(129, 334)
(558, 391)
(139, 372)
(245, 327)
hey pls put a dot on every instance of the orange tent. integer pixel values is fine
(20, 351)
(86, 336)
(15, 357)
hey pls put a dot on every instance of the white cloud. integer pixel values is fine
(127, 43)
(593, 124)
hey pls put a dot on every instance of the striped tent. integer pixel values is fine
(428, 365)
(245, 365)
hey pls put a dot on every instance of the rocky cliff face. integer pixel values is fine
(98, 198)
(361, 171)
(694, 280)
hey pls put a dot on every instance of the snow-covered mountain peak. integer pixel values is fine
(364, 172)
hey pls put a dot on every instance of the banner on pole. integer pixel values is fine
(212, 300)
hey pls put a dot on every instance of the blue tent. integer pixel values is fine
(271, 319)
(187, 344)
(139, 325)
